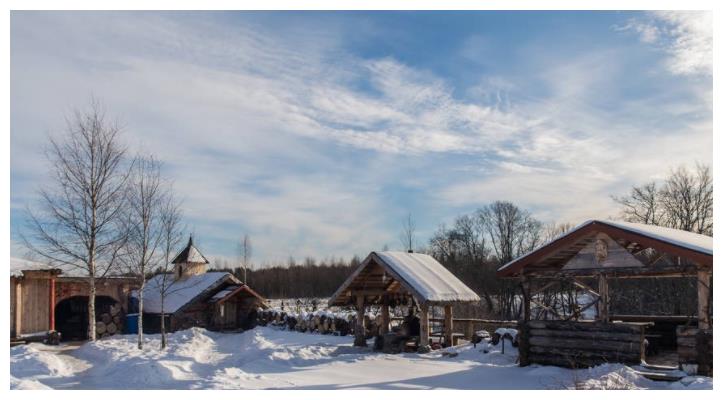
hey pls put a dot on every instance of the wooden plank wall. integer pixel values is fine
(34, 308)
(695, 346)
(580, 344)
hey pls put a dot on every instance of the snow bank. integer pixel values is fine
(272, 358)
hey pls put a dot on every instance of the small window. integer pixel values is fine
(221, 309)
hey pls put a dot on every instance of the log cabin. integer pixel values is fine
(193, 297)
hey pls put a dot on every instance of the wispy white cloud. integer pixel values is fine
(686, 36)
(293, 139)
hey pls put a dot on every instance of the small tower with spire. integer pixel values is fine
(189, 262)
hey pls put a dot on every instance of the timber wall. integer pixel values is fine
(695, 346)
(580, 344)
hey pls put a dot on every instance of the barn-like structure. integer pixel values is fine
(191, 296)
(591, 256)
(46, 298)
(389, 277)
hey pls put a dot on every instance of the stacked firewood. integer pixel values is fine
(322, 322)
(110, 322)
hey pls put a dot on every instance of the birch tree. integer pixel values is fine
(78, 219)
(146, 196)
(171, 217)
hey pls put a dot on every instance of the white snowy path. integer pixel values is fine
(269, 358)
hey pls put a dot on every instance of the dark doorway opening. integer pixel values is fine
(71, 315)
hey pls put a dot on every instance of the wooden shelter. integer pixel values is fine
(602, 251)
(387, 276)
(45, 298)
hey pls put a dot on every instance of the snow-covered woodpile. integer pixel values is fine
(110, 322)
(322, 322)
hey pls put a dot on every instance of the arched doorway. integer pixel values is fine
(71, 315)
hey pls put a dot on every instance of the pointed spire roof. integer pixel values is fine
(190, 254)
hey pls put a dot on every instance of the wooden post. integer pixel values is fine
(448, 325)
(526, 293)
(385, 316)
(603, 303)
(704, 288)
(51, 304)
(424, 327)
(359, 330)
(523, 339)
(18, 307)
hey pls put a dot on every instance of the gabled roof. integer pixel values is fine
(232, 291)
(419, 274)
(692, 246)
(182, 292)
(190, 254)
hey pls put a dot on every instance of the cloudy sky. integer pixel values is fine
(316, 133)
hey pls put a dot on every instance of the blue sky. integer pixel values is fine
(316, 133)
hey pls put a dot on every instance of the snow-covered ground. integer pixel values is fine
(269, 358)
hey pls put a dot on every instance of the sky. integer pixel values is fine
(317, 133)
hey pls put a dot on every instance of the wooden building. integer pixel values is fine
(590, 257)
(390, 277)
(44, 298)
(192, 297)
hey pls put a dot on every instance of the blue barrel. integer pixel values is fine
(131, 323)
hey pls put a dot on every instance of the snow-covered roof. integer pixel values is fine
(190, 254)
(181, 292)
(689, 240)
(421, 274)
(18, 265)
(223, 293)
(694, 242)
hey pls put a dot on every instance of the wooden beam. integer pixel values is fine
(704, 289)
(51, 305)
(527, 297)
(18, 307)
(424, 327)
(603, 314)
(385, 315)
(359, 330)
(448, 325)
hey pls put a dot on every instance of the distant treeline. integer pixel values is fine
(310, 278)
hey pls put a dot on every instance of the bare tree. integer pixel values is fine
(685, 201)
(641, 205)
(244, 252)
(171, 235)
(511, 230)
(407, 235)
(78, 222)
(687, 198)
(146, 197)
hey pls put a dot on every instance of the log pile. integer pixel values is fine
(109, 322)
(580, 344)
(695, 349)
(322, 322)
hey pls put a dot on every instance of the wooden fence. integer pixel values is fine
(580, 344)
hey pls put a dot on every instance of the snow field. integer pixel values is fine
(271, 358)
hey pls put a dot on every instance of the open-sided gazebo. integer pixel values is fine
(606, 250)
(388, 275)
